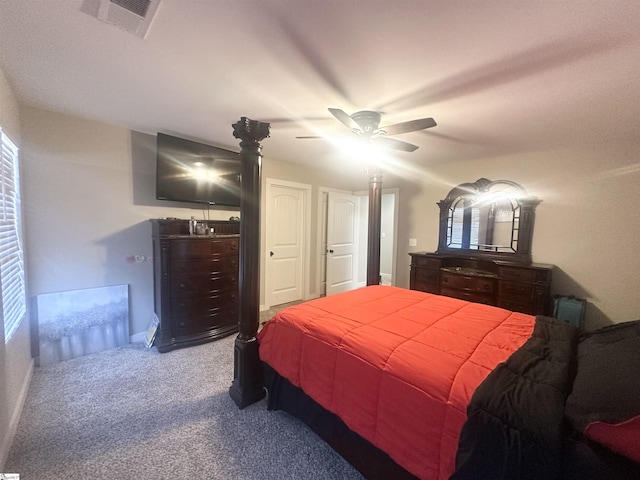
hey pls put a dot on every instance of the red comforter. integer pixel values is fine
(397, 366)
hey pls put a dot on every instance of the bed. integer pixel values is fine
(407, 384)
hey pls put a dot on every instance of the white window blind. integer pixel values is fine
(11, 258)
(457, 220)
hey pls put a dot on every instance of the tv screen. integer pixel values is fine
(189, 171)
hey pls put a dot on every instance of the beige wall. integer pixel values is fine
(587, 224)
(89, 192)
(15, 356)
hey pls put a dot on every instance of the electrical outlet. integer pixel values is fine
(413, 242)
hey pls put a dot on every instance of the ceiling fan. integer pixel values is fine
(366, 124)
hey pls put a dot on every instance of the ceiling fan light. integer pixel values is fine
(368, 120)
(378, 133)
(365, 124)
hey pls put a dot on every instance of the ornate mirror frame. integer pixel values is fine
(488, 219)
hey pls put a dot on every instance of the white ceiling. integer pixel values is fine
(499, 76)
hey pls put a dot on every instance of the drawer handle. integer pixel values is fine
(445, 280)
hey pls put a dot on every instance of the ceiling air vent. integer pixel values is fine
(133, 16)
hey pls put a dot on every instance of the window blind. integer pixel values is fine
(11, 257)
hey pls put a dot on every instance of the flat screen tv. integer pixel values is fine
(189, 171)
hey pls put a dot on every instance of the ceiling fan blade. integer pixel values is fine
(395, 144)
(410, 126)
(345, 119)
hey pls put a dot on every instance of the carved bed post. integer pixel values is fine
(373, 240)
(247, 372)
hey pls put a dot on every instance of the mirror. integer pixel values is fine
(489, 219)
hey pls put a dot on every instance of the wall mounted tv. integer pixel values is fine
(189, 171)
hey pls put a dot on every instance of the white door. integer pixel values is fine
(342, 239)
(285, 233)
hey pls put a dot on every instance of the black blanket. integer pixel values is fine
(517, 425)
(514, 427)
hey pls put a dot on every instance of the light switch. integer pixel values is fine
(413, 242)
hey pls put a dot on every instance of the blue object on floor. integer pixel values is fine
(570, 309)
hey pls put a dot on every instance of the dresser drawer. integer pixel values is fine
(469, 296)
(198, 267)
(201, 322)
(426, 275)
(203, 247)
(516, 306)
(206, 285)
(513, 290)
(426, 287)
(425, 262)
(202, 306)
(517, 274)
(471, 284)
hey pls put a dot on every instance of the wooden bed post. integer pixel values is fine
(247, 371)
(373, 240)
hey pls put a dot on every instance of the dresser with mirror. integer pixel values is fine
(484, 249)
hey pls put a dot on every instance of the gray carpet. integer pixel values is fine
(132, 413)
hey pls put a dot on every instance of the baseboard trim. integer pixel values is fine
(138, 337)
(9, 435)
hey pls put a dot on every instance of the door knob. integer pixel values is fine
(271, 254)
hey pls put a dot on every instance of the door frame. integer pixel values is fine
(305, 264)
(395, 191)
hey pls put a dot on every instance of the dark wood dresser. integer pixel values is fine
(522, 288)
(195, 282)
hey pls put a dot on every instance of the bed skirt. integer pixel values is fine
(369, 460)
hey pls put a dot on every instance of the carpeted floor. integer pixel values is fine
(132, 413)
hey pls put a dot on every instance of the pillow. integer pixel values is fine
(604, 403)
(622, 438)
